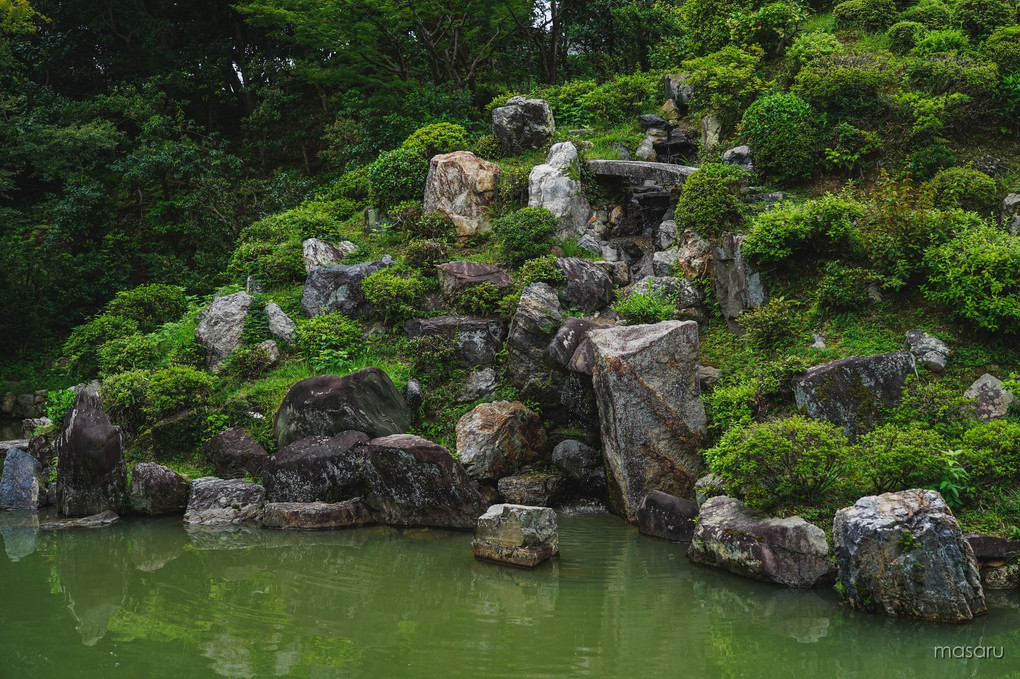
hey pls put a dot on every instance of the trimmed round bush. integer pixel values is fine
(395, 293)
(652, 306)
(934, 14)
(843, 288)
(866, 15)
(1003, 48)
(129, 353)
(782, 131)
(437, 138)
(709, 202)
(965, 188)
(124, 398)
(894, 458)
(781, 463)
(845, 84)
(991, 452)
(424, 255)
(903, 35)
(941, 42)
(979, 18)
(397, 176)
(823, 227)
(150, 306)
(541, 270)
(524, 234)
(81, 350)
(927, 161)
(812, 46)
(177, 388)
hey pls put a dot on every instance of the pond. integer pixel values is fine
(147, 598)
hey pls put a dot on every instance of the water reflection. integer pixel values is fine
(20, 532)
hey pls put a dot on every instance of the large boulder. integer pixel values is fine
(738, 287)
(327, 405)
(218, 502)
(498, 439)
(20, 486)
(454, 277)
(416, 482)
(316, 515)
(318, 469)
(534, 325)
(991, 398)
(234, 453)
(478, 340)
(156, 490)
(338, 288)
(790, 551)
(462, 187)
(220, 327)
(650, 410)
(320, 253)
(903, 555)
(665, 516)
(479, 384)
(931, 352)
(550, 186)
(580, 462)
(534, 488)
(516, 535)
(281, 326)
(589, 287)
(523, 124)
(850, 392)
(91, 473)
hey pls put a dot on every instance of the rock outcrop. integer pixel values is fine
(318, 469)
(531, 488)
(667, 517)
(219, 502)
(498, 439)
(156, 490)
(738, 287)
(534, 325)
(929, 351)
(516, 535)
(317, 252)
(523, 124)
(338, 288)
(589, 287)
(91, 472)
(20, 485)
(462, 186)
(478, 340)
(991, 398)
(455, 277)
(220, 327)
(234, 453)
(280, 324)
(550, 186)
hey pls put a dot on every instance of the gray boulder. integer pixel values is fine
(316, 515)
(741, 156)
(280, 324)
(532, 488)
(479, 384)
(216, 502)
(650, 410)
(523, 124)
(903, 555)
(91, 472)
(1011, 213)
(991, 398)
(550, 186)
(580, 462)
(534, 324)
(320, 253)
(667, 517)
(462, 187)
(930, 352)
(676, 87)
(568, 338)
(318, 469)
(589, 287)
(454, 277)
(20, 486)
(338, 288)
(478, 340)
(156, 490)
(516, 535)
(738, 287)
(220, 327)
(789, 552)
(234, 453)
(327, 405)
(849, 392)
(498, 439)
(416, 482)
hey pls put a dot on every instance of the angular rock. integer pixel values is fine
(991, 547)
(338, 288)
(220, 327)
(156, 490)
(680, 290)
(580, 462)
(270, 350)
(588, 287)
(100, 520)
(550, 186)
(930, 352)
(711, 130)
(29, 425)
(318, 469)
(1000, 577)
(462, 187)
(589, 243)
(217, 502)
(20, 485)
(456, 276)
(694, 255)
(91, 473)
(280, 324)
(741, 155)
(413, 395)
(320, 253)
(849, 392)
(533, 488)
(708, 376)
(535, 322)
(708, 486)
(497, 439)
(416, 482)
(650, 410)
(523, 123)
(903, 555)
(676, 87)
(479, 384)
(789, 552)
(327, 405)
(316, 515)
(516, 535)
(991, 399)
(478, 340)
(234, 453)
(667, 517)
(737, 286)
(567, 339)
(1011, 213)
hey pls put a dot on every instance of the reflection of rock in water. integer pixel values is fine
(803, 615)
(91, 566)
(230, 655)
(20, 531)
(225, 537)
(154, 544)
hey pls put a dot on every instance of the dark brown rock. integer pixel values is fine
(478, 340)
(455, 276)
(316, 515)
(234, 453)
(567, 339)
(667, 517)
(156, 489)
(91, 473)
(531, 488)
(589, 287)
(992, 547)
(318, 469)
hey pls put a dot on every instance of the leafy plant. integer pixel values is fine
(782, 131)
(965, 188)
(524, 234)
(177, 388)
(709, 202)
(396, 293)
(437, 138)
(650, 306)
(333, 332)
(820, 227)
(895, 458)
(396, 176)
(58, 402)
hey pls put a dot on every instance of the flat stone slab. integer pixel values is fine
(517, 535)
(101, 520)
(316, 515)
(661, 173)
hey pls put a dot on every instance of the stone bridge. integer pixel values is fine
(663, 174)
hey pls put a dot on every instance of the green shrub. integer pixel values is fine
(58, 402)
(818, 228)
(437, 138)
(150, 306)
(941, 42)
(435, 226)
(488, 147)
(991, 452)
(781, 463)
(432, 358)
(396, 176)
(934, 14)
(865, 15)
(621, 98)
(843, 288)
(81, 350)
(965, 188)
(256, 322)
(770, 27)
(405, 215)
(926, 161)
(903, 35)
(524, 234)
(977, 276)
(782, 131)
(1003, 48)
(936, 405)
(177, 388)
(980, 18)
(541, 270)
(124, 398)
(395, 293)
(845, 84)
(894, 458)
(424, 255)
(725, 82)
(850, 147)
(330, 332)
(703, 23)
(650, 306)
(481, 299)
(271, 255)
(709, 201)
(772, 326)
(353, 185)
(249, 362)
(130, 353)
(809, 47)
(511, 191)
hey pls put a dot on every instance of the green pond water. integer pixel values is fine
(147, 598)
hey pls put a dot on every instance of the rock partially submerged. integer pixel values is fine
(219, 502)
(667, 517)
(100, 520)
(789, 552)
(91, 472)
(316, 515)
(156, 490)
(318, 469)
(516, 535)
(20, 486)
